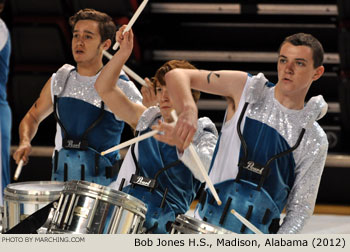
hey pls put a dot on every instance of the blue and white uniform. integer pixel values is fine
(151, 156)
(261, 191)
(86, 127)
(5, 111)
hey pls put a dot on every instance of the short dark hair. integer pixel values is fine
(304, 39)
(170, 65)
(105, 23)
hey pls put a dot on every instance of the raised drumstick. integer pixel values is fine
(128, 71)
(132, 20)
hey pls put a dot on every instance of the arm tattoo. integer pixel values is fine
(208, 77)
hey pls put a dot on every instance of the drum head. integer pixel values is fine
(35, 188)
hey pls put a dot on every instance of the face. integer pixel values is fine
(296, 70)
(165, 104)
(86, 42)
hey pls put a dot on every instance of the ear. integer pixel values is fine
(318, 73)
(107, 44)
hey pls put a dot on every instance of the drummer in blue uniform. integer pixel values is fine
(154, 172)
(85, 125)
(271, 151)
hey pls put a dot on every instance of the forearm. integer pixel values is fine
(105, 82)
(179, 89)
(27, 128)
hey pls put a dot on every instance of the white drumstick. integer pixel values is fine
(246, 222)
(127, 70)
(200, 166)
(130, 142)
(18, 170)
(133, 75)
(132, 20)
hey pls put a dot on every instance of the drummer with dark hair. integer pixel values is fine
(271, 151)
(156, 173)
(85, 125)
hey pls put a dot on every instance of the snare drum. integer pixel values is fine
(88, 208)
(23, 199)
(188, 225)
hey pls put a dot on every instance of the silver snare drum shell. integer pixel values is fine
(89, 208)
(25, 198)
(188, 225)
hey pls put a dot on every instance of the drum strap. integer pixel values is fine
(263, 170)
(82, 143)
(33, 222)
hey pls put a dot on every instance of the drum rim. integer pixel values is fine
(183, 221)
(11, 191)
(105, 193)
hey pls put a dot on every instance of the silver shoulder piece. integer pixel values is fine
(204, 143)
(148, 117)
(314, 110)
(204, 124)
(129, 88)
(60, 81)
(255, 88)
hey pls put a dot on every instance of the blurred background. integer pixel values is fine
(213, 35)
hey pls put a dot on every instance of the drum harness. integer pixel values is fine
(262, 170)
(82, 143)
(138, 180)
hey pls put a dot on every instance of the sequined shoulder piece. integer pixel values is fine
(129, 88)
(148, 117)
(60, 79)
(255, 88)
(314, 110)
(205, 124)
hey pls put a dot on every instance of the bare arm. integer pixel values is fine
(30, 123)
(105, 86)
(179, 83)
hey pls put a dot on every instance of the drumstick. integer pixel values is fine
(130, 142)
(132, 20)
(18, 170)
(246, 222)
(134, 75)
(128, 71)
(200, 166)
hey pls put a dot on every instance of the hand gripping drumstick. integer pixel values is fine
(128, 71)
(246, 222)
(18, 170)
(130, 142)
(132, 20)
(200, 166)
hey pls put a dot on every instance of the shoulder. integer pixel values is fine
(256, 86)
(204, 124)
(149, 117)
(129, 89)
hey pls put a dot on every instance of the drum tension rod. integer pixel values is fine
(164, 198)
(121, 184)
(224, 212)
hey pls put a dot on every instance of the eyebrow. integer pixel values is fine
(86, 31)
(302, 59)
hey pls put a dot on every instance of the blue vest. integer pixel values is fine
(178, 180)
(258, 197)
(76, 116)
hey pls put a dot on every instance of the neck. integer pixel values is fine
(89, 70)
(290, 101)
